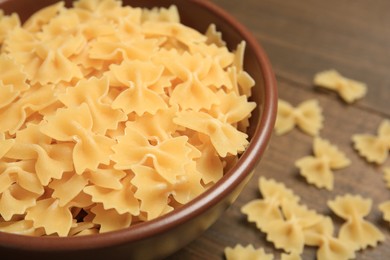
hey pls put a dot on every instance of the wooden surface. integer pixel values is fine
(302, 38)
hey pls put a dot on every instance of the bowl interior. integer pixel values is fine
(198, 14)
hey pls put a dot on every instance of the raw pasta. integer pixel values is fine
(356, 231)
(373, 148)
(317, 169)
(113, 115)
(307, 116)
(348, 89)
(280, 216)
(249, 252)
(261, 211)
(386, 175)
(385, 208)
(329, 247)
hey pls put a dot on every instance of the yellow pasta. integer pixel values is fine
(287, 233)
(317, 169)
(113, 115)
(356, 231)
(262, 211)
(249, 252)
(329, 247)
(373, 148)
(291, 256)
(386, 175)
(7, 24)
(281, 217)
(348, 89)
(307, 116)
(384, 207)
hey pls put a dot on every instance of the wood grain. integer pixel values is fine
(302, 38)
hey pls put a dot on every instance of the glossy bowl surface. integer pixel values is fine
(163, 236)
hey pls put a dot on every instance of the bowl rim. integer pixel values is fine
(200, 204)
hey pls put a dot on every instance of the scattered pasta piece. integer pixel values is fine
(348, 89)
(386, 175)
(317, 169)
(249, 252)
(374, 148)
(280, 216)
(291, 256)
(261, 211)
(113, 115)
(287, 233)
(356, 231)
(385, 208)
(307, 116)
(329, 247)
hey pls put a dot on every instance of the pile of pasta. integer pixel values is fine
(113, 115)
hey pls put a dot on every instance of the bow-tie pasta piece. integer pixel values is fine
(317, 169)
(47, 214)
(161, 14)
(19, 188)
(232, 108)
(137, 77)
(189, 69)
(356, 231)
(51, 160)
(68, 187)
(7, 24)
(12, 78)
(17, 113)
(155, 193)
(329, 247)
(5, 144)
(210, 165)
(168, 157)
(41, 55)
(75, 125)
(39, 19)
(386, 175)
(110, 219)
(290, 256)
(384, 207)
(21, 227)
(91, 92)
(348, 89)
(214, 36)
(307, 116)
(80, 228)
(225, 138)
(122, 200)
(157, 127)
(374, 148)
(15, 201)
(249, 252)
(262, 211)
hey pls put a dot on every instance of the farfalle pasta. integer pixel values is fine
(374, 148)
(113, 115)
(348, 89)
(356, 231)
(329, 247)
(386, 176)
(317, 169)
(307, 116)
(248, 252)
(280, 215)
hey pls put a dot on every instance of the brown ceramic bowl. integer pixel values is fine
(163, 236)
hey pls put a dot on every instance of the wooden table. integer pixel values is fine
(302, 38)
